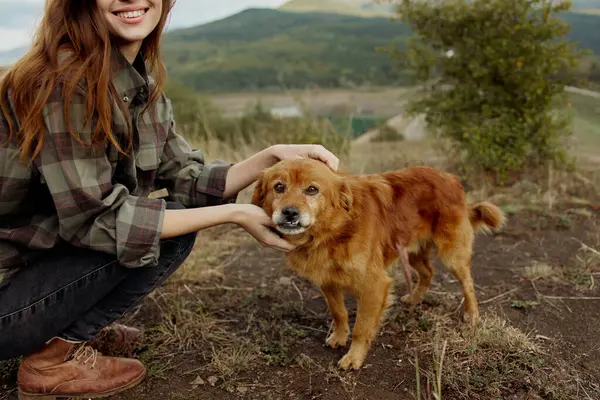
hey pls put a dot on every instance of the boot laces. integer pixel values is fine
(84, 354)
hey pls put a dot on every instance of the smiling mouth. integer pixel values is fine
(131, 15)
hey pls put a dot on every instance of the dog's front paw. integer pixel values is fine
(409, 299)
(471, 318)
(352, 360)
(337, 339)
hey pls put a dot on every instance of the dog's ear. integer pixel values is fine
(346, 198)
(260, 191)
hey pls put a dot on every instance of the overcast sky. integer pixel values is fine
(18, 18)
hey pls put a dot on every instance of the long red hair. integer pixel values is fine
(77, 29)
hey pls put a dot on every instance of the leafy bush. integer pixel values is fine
(495, 66)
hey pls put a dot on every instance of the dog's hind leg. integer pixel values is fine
(335, 301)
(372, 303)
(403, 253)
(420, 263)
(455, 249)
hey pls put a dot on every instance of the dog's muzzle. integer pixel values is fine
(290, 220)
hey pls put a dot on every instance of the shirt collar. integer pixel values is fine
(129, 79)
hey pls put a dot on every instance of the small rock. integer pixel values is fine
(285, 281)
(212, 380)
(242, 389)
(198, 382)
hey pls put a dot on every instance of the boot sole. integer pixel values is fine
(34, 396)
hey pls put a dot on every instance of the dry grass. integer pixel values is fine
(209, 261)
(557, 193)
(330, 371)
(454, 361)
(230, 361)
(541, 270)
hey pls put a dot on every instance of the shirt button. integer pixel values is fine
(126, 99)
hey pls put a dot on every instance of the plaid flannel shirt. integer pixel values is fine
(99, 199)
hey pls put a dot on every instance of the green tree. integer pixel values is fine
(491, 68)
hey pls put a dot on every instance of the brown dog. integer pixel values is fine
(350, 229)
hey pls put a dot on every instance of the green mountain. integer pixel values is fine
(261, 49)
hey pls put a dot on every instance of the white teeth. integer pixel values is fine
(131, 14)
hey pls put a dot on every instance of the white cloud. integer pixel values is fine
(18, 18)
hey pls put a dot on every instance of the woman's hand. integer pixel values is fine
(256, 222)
(314, 151)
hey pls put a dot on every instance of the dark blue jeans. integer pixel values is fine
(73, 293)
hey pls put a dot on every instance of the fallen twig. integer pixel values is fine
(229, 288)
(543, 297)
(586, 247)
(499, 296)
(299, 294)
(310, 328)
(570, 298)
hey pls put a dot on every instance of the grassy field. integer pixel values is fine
(587, 127)
(234, 322)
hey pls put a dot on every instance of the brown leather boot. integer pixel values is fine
(62, 369)
(116, 338)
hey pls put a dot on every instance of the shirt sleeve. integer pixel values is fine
(190, 180)
(93, 212)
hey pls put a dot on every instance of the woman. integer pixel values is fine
(100, 199)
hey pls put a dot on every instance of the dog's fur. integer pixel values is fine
(355, 227)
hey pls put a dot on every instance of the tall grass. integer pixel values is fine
(204, 124)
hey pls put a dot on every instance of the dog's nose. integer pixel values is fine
(291, 213)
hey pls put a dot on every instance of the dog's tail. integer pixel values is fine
(485, 216)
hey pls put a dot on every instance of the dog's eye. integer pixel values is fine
(312, 190)
(279, 188)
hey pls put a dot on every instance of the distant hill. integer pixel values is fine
(262, 49)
